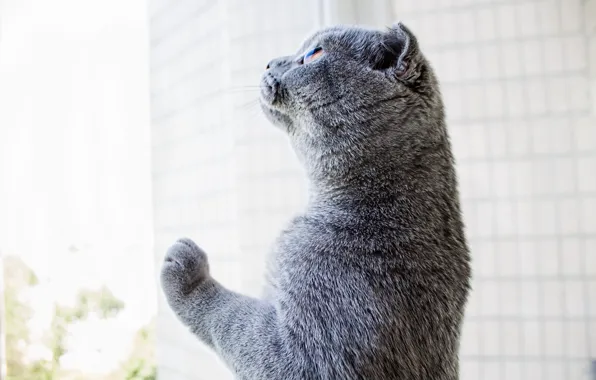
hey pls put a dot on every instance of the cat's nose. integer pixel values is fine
(275, 63)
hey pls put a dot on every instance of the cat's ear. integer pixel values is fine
(397, 45)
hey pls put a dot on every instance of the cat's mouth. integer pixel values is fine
(271, 90)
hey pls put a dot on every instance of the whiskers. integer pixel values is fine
(243, 89)
(249, 109)
(254, 103)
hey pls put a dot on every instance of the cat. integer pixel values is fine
(371, 280)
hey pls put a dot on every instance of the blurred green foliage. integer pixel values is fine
(18, 278)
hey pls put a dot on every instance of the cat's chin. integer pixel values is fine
(276, 116)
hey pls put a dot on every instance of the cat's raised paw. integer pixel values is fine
(184, 268)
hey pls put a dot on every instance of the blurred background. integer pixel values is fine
(127, 124)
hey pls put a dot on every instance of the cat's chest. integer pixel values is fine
(279, 257)
(297, 249)
(272, 268)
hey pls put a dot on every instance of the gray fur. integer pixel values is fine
(371, 280)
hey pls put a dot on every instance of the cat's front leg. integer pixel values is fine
(243, 330)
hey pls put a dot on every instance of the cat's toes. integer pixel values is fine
(185, 267)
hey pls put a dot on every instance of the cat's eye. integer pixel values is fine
(312, 55)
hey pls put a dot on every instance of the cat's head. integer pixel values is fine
(349, 94)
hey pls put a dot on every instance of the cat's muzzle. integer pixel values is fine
(270, 89)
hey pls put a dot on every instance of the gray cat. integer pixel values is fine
(371, 280)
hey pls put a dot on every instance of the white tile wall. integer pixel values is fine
(519, 80)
